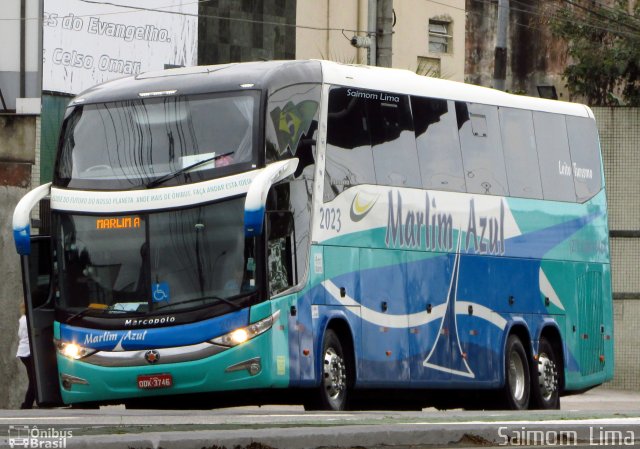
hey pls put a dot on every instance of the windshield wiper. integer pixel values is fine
(182, 170)
(200, 298)
(82, 313)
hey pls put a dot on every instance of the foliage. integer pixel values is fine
(604, 43)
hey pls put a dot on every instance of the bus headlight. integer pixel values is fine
(73, 351)
(244, 334)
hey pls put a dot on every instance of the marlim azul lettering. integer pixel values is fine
(432, 230)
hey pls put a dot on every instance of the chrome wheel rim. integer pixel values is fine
(516, 376)
(547, 376)
(334, 374)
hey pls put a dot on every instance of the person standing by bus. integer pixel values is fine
(24, 354)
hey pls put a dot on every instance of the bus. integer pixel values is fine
(321, 232)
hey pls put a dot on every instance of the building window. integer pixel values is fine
(439, 36)
(429, 67)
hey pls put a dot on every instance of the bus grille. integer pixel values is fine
(590, 336)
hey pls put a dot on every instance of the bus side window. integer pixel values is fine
(393, 142)
(520, 155)
(295, 197)
(438, 144)
(280, 251)
(553, 154)
(585, 156)
(292, 125)
(40, 270)
(479, 131)
(349, 156)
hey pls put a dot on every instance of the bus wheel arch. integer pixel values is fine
(336, 368)
(516, 391)
(547, 371)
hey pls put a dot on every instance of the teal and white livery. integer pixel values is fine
(318, 233)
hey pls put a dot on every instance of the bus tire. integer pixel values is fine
(545, 378)
(517, 385)
(335, 383)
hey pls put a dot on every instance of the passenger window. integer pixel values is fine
(438, 144)
(281, 239)
(349, 158)
(292, 125)
(520, 154)
(394, 145)
(585, 156)
(481, 147)
(553, 155)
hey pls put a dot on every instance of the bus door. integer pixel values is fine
(38, 299)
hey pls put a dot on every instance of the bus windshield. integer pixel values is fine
(170, 261)
(133, 143)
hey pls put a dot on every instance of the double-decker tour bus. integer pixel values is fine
(324, 229)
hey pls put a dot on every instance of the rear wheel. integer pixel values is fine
(334, 390)
(545, 378)
(516, 390)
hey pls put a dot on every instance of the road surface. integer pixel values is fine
(597, 418)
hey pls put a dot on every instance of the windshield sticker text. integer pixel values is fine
(110, 202)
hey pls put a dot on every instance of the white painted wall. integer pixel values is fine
(411, 35)
(87, 43)
(10, 35)
(10, 22)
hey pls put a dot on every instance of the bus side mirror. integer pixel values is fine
(254, 205)
(22, 218)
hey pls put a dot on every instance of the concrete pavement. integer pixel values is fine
(598, 417)
(604, 399)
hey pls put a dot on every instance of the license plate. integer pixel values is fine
(155, 381)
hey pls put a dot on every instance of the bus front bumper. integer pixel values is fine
(252, 365)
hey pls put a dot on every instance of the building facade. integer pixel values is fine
(20, 63)
(19, 134)
(534, 58)
(428, 36)
(620, 138)
(535, 61)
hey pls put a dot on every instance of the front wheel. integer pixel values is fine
(545, 392)
(516, 390)
(335, 385)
